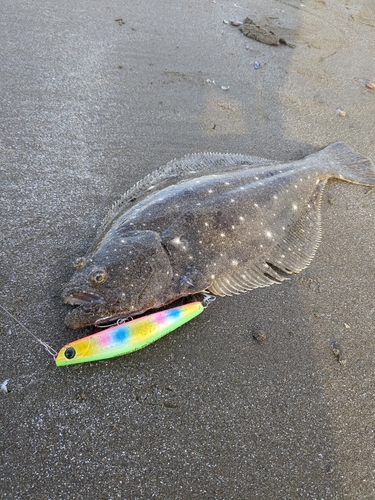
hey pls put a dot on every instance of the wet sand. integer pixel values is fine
(89, 105)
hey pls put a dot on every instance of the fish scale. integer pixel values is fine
(218, 223)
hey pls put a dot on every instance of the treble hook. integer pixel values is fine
(207, 299)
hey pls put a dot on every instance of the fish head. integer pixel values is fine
(127, 274)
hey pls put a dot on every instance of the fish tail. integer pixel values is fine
(345, 164)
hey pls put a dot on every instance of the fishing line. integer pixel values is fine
(48, 348)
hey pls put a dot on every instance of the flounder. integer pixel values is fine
(217, 223)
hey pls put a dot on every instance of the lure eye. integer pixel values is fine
(70, 352)
(79, 263)
(98, 276)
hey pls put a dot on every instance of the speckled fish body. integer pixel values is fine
(219, 223)
(127, 337)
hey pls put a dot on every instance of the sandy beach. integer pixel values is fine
(95, 95)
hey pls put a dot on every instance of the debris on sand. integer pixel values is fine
(119, 21)
(340, 112)
(260, 336)
(338, 352)
(235, 23)
(267, 32)
(370, 85)
(4, 387)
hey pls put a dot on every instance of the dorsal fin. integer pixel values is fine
(176, 171)
(293, 253)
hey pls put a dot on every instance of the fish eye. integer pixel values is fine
(70, 352)
(79, 263)
(98, 276)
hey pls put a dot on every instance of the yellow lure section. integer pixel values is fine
(127, 337)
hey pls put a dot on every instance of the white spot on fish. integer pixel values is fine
(210, 191)
(241, 218)
(268, 234)
(256, 205)
(176, 241)
(222, 235)
(234, 262)
(295, 207)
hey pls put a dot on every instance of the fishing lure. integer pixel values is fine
(127, 337)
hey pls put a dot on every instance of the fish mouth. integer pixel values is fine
(88, 307)
(92, 310)
(82, 298)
